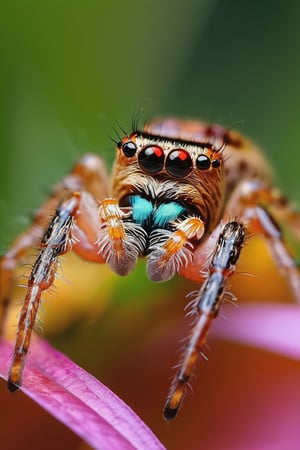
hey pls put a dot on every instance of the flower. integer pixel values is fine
(79, 401)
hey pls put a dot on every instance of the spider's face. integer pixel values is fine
(163, 169)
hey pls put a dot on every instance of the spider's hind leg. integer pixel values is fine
(263, 209)
(206, 305)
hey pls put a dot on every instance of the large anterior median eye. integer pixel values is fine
(179, 163)
(151, 159)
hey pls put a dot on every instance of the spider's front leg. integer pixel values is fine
(206, 305)
(56, 241)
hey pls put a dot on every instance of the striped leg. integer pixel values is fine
(120, 242)
(56, 241)
(206, 306)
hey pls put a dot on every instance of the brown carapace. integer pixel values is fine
(184, 195)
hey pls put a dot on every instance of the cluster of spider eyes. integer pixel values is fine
(178, 162)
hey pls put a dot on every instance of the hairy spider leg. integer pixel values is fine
(206, 305)
(257, 205)
(88, 174)
(284, 211)
(56, 241)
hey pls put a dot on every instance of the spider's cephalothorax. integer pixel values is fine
(174, 190)
(183, 194)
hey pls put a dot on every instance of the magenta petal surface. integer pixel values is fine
(272, 327)
(79, 401)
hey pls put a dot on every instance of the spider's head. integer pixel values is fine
(163, 167)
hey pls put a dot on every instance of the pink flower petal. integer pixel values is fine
(273, 327)
(79, 401)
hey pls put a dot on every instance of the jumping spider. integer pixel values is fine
(180, 190)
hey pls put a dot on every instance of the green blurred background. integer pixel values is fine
(71, 69)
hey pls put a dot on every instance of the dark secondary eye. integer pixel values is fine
(151, 159)
(203, 162)
(129, 148)
(179, 163)
(216, 163)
